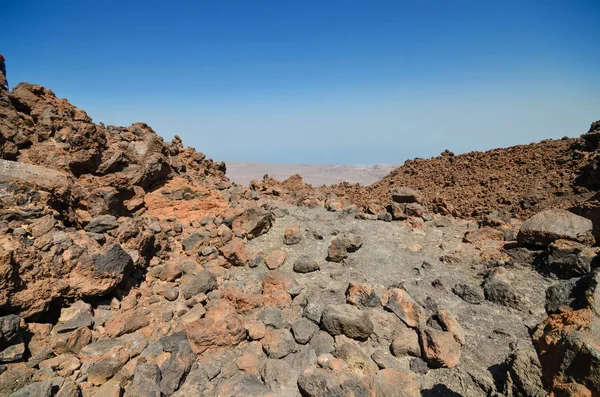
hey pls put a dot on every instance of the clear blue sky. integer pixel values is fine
(344, 81)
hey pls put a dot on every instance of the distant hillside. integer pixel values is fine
(314, 174)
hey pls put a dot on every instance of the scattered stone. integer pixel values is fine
(419, 366)
(469, 293)
(219, 327)
(362, 295)
(440, 348)
(346, 320)
(393, 383)
(383, 359)
(275, 259)
(292, 235)
(322, 343)
(252, 223)
(278, 343)
(271, 316)
(305, 264)
(102, 224)
(405, 307)
(567, 259)
(171, 294)
(406, 344)
(202, 283)
(497, 289)
(342, 245)
(525, 373)
(303, 330)
(236, 252)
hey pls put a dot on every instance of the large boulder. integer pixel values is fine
(550, 225)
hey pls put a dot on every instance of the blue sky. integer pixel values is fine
(344, 81)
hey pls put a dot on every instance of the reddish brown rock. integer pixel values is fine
(254, 222)
(220, 327)
(404, 306)
(440, 348)
(126, 322)
(292, 235)
(392, 383)
(362, 295)
(275, 259)
(235, 252)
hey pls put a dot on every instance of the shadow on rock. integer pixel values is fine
(440, 390)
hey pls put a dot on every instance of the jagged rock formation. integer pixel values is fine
(133, 267)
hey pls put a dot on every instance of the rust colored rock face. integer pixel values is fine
(275, 259)
(221, 327)
(404, 306)
(440, 348)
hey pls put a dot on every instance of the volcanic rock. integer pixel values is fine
(342, 245)
(551, 225)
(346, 320)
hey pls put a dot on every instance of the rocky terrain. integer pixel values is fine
(315, 174)
(130, 266)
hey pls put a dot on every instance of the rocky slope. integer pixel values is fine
(519, 180)
(133, 267)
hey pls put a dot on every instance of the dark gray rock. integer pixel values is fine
(102, 224)
(244, 384)
(36, 389)
(171, 294)
(303, 330)
(469, 293)
(346, 320)
(383, 358)
(280, 377)
(81, 319)
(567, 259)
(525, 373)
(271, 316)
(305, 264)
(145, 383)
(499, 291)
(419, 366)
(322, 343)
(115, 261)
(202, 283)
(278, 343)
(192, 243)
(176, 367)
(319, 383)
(305, 357)
(9, 328)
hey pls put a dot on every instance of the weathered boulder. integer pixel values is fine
(550, 225)
(403, 194)
(392, 383)
(346, 320)
(342, 245)
(253, 222)
(567, 259)
(221, 326)
(404, 306)
(440, 348)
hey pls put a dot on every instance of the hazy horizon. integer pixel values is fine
(319, 82)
